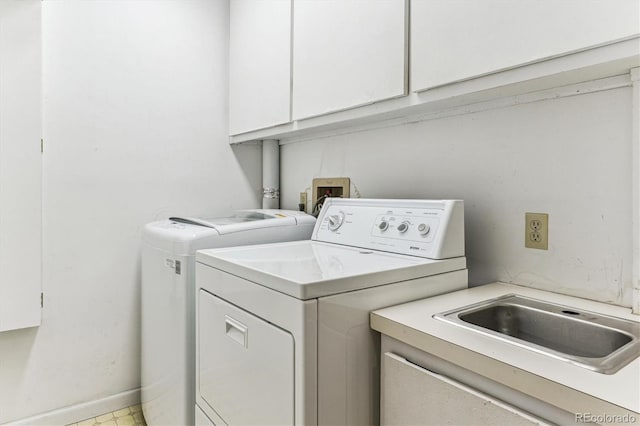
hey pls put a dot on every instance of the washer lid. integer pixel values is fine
(310, 269)
(243, 220)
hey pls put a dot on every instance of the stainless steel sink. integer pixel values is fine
(597, 342)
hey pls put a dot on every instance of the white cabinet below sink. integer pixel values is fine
(414, 395)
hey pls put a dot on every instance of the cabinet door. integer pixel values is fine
(414, 395)
(259, 64)
(20, 164)
(347, 53)
(453, 40)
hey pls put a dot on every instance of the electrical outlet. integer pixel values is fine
(331, 187)
(536, 230)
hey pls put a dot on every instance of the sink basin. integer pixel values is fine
(594, 341)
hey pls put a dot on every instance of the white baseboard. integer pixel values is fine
(78, 412)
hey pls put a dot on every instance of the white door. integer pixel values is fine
(259, 64)
(20, 164)
(414, 395)
(347, 53)
(245, 365)
(453, 40)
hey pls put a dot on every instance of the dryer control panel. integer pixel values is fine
(427, 228)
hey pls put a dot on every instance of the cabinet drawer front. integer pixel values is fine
(414, 395)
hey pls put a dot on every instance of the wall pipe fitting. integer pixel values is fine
(270, 174)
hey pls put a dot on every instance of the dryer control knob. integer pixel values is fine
(403, 227)
(383, 226)
(335, 221)
(424, 229)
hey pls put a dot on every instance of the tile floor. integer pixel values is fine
(130, 416)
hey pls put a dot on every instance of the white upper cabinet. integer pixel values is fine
(20, 164)
(347, 53)
(259, 64)
(452, 40)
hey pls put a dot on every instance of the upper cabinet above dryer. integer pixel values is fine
(259, 64)
(303, 68)
(347, 53)
(453, 40)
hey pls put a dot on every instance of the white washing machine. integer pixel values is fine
(168, 299)
(282, 334)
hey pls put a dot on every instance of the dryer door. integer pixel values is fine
(245, 364)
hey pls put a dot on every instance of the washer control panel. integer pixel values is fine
(426, 228)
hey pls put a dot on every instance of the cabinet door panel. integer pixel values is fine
(347, 53)
(259, 64)
(414, 395)
(20, 164)
(453, 40)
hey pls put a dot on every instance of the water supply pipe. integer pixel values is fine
(270, 174)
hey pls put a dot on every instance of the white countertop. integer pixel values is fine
(413, 324)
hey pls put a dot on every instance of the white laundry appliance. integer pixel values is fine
(168, 299)
(283, 331)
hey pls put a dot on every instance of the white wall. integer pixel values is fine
(569, 157)
(135, 130)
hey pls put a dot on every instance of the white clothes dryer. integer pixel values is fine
(168, 299)
(283, 332)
